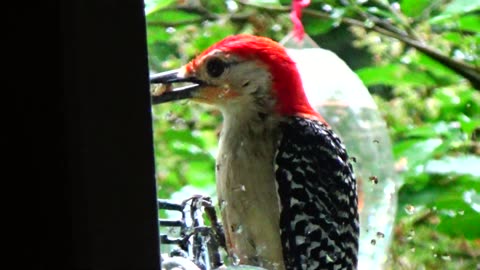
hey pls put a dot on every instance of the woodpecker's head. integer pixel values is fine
(241, 73)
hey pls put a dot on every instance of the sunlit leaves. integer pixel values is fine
(168, 17)
(452, 200)
(265, 2)
(184, 147)
(394, 74)
(315, 26)
(415, 8)
(152, 6)
(465, 164)
(461, 6)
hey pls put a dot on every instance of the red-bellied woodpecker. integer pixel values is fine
(285, 185)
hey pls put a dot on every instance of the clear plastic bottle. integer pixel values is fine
(343, 100)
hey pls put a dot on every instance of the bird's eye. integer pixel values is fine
(215, 67)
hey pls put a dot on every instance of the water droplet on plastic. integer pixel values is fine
(396, 6)
(373, 242)
(232, 6)
(410, 209)
(446, 258)
(223, 204)
(369, 23)
(184, 102)
(239, 229)
(327, 8)
(178, 124)
(239, 188)
(380, 235)
(411, 234)
(276, 27)
(235, 259)
(260, 249)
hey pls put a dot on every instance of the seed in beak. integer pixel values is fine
(159, 89)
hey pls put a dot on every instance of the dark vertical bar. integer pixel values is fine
(110, 162)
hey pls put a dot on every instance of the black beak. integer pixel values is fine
(170, 77)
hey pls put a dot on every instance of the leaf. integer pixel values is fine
(460, 215)
(171, 16)
(467, 164)
(154, 5)
(381, 13)
(456, 9)
(469, 23)
(442, 193)
(393, 74)
(265, 2)
(157, 34)
(446, 75)
(429, 130)
(461, 226)
(185, 136)
(453, 37)
(201, 173)
(472, 198)
(315, 26)
(416, 151)
(468, 124)
(211, 34)
(461, 6)
(414, 8)
(189, 151)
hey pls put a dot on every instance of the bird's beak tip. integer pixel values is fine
(168, 78)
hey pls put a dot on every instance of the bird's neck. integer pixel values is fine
(249, 124)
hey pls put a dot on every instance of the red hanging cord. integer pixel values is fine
(296, 17)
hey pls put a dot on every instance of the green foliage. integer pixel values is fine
(431, 106)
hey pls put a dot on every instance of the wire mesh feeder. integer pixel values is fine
(196, 243)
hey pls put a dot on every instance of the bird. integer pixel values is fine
(286, 189)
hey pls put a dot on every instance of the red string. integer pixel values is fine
(296, 17)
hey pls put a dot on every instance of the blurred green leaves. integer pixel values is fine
(391, 74)
(152, 6)
(432, 110)
(461, 7)
(172, 17)
(415, 8)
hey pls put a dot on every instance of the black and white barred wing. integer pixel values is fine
(318, 198)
